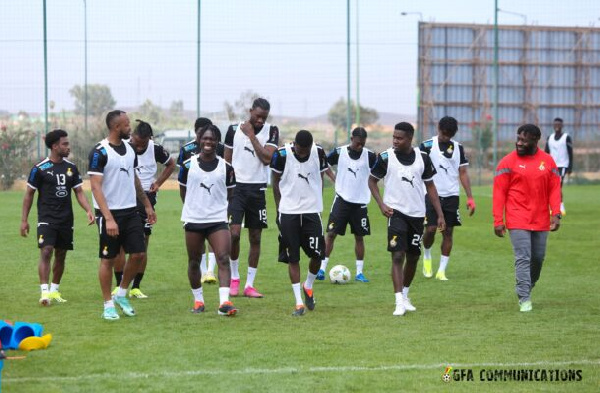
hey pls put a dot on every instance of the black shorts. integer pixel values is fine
(405, 233)
(248, 201)
(450, 208)
(142, 212)
(205, 229)
(131, 233)
(300, 230)
(343, 213)
(57, 236)
(562, 171)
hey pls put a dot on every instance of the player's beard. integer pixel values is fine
(527, 151)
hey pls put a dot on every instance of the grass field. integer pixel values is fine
(351, 342)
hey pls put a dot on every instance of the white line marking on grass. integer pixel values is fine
(295, 370)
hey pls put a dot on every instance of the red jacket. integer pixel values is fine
(526, 191)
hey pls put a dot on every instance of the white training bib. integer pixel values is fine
(301, 184)
(206, 194)
(352, 179)
(248, 167)
(118, 180)
(147, 167)
(558, 150)
(404, 186)
(446, 179)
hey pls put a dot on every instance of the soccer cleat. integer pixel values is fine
(321, 275)
(209, 278)
(45, 299)
(361, 277)
(55, 295)
(299, 311)
(198, 307)
(400, 310)
(135, 292)
(234, 287)
(525, 306)
(227, 309)
(114, 291)
(441, 276)
(427, 272)
(563, 211)
(309, 298)
(408, 305)
(252, 292)
(123, 302)
(110, 314)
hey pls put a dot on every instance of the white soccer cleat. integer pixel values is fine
(408, 305)
(400, 310)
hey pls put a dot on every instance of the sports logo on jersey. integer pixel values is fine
(406, 179)
(444, 168)
(207, 188)
(61, 191)
(353, 171)
(246, 148)
(450, 149)
(46, 165)
(393, 242)
(305, 177)
(69, 172)
(190, 146)
(124, 170)
(542, 166)
(41, 239)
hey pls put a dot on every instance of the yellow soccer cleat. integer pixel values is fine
(45, 299)
(441, 276)
(55, 295)
(427, 268)
(135, 292)
(209, 278)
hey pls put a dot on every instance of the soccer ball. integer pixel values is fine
(339, 274)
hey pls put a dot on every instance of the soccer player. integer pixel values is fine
(208, 260)
(406, 172)
(115, 186)
(249, 147)
(352, 196)
(526, 192)
(148, 155)
(298, 190)
(54, 177)
(206, 182)
(448, 158)
(560, 147)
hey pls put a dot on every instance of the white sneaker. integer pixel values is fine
(408, 305)
(400, 310)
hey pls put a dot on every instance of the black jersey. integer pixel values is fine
(54, 182)
(191, 148)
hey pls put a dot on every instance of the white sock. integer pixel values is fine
(212, 261)
(297, 294)
(443, 263)
(235, 269)
(405, 291)
(109, 304)
(310, 279)
(359, 266)
(250, 277)
(203, 264)
(198, 294)
(44, 287)
(121, 291)
(399, 297)
(223, 295)
(427, 253)
(324, 263)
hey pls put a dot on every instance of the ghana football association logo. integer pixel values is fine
(105, 251)
(41, 239)
(331, 225)
(542, 166)
(446, 377)
(393, 242)
(69, 172)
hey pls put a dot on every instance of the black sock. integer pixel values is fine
(137, 280)
(118, 277)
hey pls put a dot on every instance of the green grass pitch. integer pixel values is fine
(351, 342)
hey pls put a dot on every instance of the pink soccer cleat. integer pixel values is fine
(234, 287)
(252, 292)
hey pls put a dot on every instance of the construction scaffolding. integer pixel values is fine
(544, 72)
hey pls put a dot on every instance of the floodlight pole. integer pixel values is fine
(348, 108)
(198, 61)
(45, 73)
(357, 68)
(496, 77)
(85, 85)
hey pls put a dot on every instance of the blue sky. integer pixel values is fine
(291, 51)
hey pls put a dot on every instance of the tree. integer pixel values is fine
(100, 99)
(239, 110)
(151, 113)
(338, 117)
(15, 152)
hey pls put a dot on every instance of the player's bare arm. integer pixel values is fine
(264, 153)
(112, 229)
(276, 190)
(141, 195)
(27, 203)
(385, 209)
(83, 202)
(435, 201)
(166, 173)
(466, 183)
(182, 190)
(228, 154)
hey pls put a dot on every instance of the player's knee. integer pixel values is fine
(222, 259)
(430, 230)
(46, 253)
(235, 236)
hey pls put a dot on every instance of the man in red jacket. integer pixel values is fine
(527, 196)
